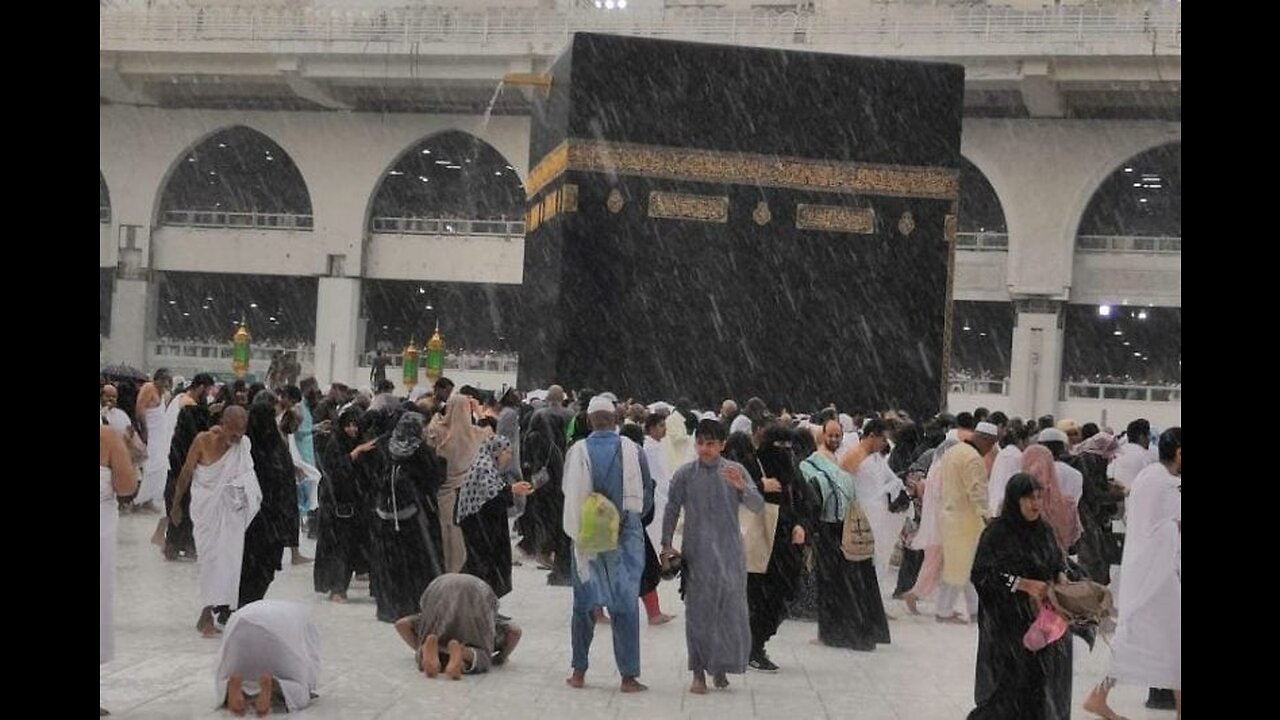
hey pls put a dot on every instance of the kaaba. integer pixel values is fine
(710, 221)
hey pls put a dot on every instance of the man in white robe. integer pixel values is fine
(225, 496)
(1133, 456)
(874, 485)
(1147, 649)
(157, 425)
(270, 651)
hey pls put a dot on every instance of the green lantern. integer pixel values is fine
(240, 351)
(435, 355)
(410, 365)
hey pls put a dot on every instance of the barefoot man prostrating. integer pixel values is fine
(224, 498)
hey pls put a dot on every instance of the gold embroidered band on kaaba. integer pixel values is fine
(714, 166)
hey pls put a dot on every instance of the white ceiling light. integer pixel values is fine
(396, 172)
(1104, 310)
(1142, 314)
(622, 4)
(426, 151)
(1128, 169)
(1117, 332)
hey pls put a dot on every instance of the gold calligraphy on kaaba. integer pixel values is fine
(683, 206)
(833, 218)
(548, 168)
(696, 165)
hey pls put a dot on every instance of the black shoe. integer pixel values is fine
(559, 580)
(762, 663)
(1160, 699)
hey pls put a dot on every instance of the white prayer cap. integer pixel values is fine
(600, 403)
(709, 416)
(1052, 435)
(846, 424)
(661, 406)
(609, 396)
(986, 428)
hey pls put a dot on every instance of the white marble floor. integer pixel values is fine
(164, 669)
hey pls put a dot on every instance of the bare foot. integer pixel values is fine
(262, 705)
(300, 559)
(235, 695)
(577, 680)
(631, 685)
(206, 625)
(362, 577)
(509, 645)
(601, 618)
(337, 597)
(661, 619)
(1096, 703)
(910, 599)
(454, 668)
(157, 537)
(818, 642)
(720, 681)
(431, 656)
(699, 686)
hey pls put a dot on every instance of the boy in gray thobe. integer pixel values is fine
(709, 490)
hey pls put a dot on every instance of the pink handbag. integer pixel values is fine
(1047, 628)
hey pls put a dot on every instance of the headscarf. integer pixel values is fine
(484, 480)
(350, 414)
(1101, 444)
(407, 437)
(462, 439)
(1058, 510)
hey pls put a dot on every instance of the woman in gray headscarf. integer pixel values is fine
(404, 556)
(458, 448)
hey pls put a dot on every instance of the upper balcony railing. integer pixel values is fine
(890, 30)
(219, 219)
(1129, 244)
(983, 241)
(1136, 393)
(170, 348)
(447, 226)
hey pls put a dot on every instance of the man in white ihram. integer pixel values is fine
(225, 496)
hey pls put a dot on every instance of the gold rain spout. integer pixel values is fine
(542, 81)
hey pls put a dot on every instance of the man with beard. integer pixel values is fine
(189, 416)
(225, 496)
(768, 593)
(612, 466)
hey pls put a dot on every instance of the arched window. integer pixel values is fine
(237, 177)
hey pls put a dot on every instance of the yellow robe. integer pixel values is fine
(964, 505)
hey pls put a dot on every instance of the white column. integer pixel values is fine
(337, 316)
(129, 311)
(1036, 363)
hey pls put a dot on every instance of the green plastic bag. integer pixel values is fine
(598, 527)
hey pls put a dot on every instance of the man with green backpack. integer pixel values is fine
(607, 489)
